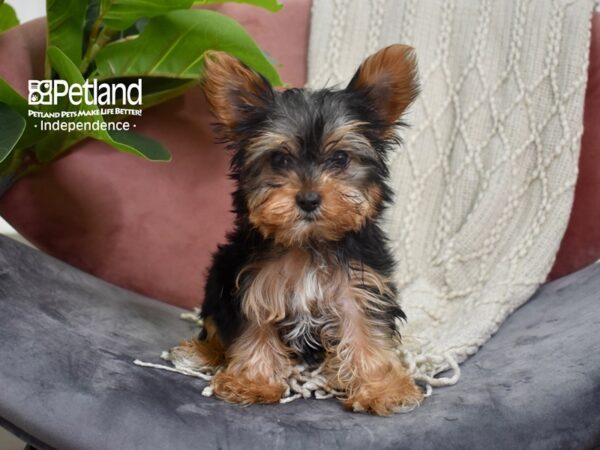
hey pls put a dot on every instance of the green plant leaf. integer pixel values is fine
(57, 142)
(8, 17)
(121, 14)
(66, 22)
(173, 46)
(13, 99)
(125, 140)
(12, 126)
(270, 5)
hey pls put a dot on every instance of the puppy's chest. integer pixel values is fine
(300, 294)
(310, 301)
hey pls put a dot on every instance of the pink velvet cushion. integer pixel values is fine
(150, 227)
(581, 243)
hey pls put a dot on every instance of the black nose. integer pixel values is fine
(308, 200)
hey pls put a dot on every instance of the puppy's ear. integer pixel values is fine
(388, 78)
(234, 91)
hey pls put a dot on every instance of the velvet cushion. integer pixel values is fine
(67, 377)
(581, 244)
(149, 227)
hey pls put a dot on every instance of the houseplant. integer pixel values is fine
(109, 41)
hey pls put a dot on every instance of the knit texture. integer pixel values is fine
(485, 178)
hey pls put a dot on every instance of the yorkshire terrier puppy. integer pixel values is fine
(306, 273)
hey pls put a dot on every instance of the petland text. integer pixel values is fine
(50, 92)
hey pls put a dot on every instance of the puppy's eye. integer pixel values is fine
(339, 159)
(280, 160)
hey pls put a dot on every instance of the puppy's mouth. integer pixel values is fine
(312, 216)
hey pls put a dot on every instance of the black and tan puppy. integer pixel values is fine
(306, 273)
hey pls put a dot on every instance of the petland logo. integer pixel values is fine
(84, 108)
(49, 92)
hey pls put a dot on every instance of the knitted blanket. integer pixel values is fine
(484, 181)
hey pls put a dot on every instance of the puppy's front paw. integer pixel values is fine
(238, 388)
(385, 397)
(196, 355)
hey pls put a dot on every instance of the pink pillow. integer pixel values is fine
(149, 227)
(581, 243)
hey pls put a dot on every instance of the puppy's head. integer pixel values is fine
(311, 165)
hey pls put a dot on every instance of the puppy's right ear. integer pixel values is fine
(234, 92)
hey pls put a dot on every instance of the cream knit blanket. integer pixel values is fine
(484, 182)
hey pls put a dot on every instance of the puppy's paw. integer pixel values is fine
(196, 355)
(385, 397)
(238, 388)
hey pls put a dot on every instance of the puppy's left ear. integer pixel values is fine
(388, 78)
(234, 91)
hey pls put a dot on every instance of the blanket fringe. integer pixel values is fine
(188, 372)
(304, 382)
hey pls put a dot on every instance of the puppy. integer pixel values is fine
(306, 275)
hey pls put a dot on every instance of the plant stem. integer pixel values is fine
(99, 37)
(85, 62)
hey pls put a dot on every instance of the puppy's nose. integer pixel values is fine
(308, 200)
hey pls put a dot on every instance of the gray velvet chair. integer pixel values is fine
(67, 378)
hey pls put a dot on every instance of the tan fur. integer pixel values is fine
(242, 389)
(292, 282)
(208, 352)
(362, 362)
(360, 352)
(384, 391)
(227, 83)
(344, 208)
(274, 212)
(391, 77)
(268, 285)
(257, 366)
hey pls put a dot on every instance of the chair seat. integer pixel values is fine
(67, 378)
